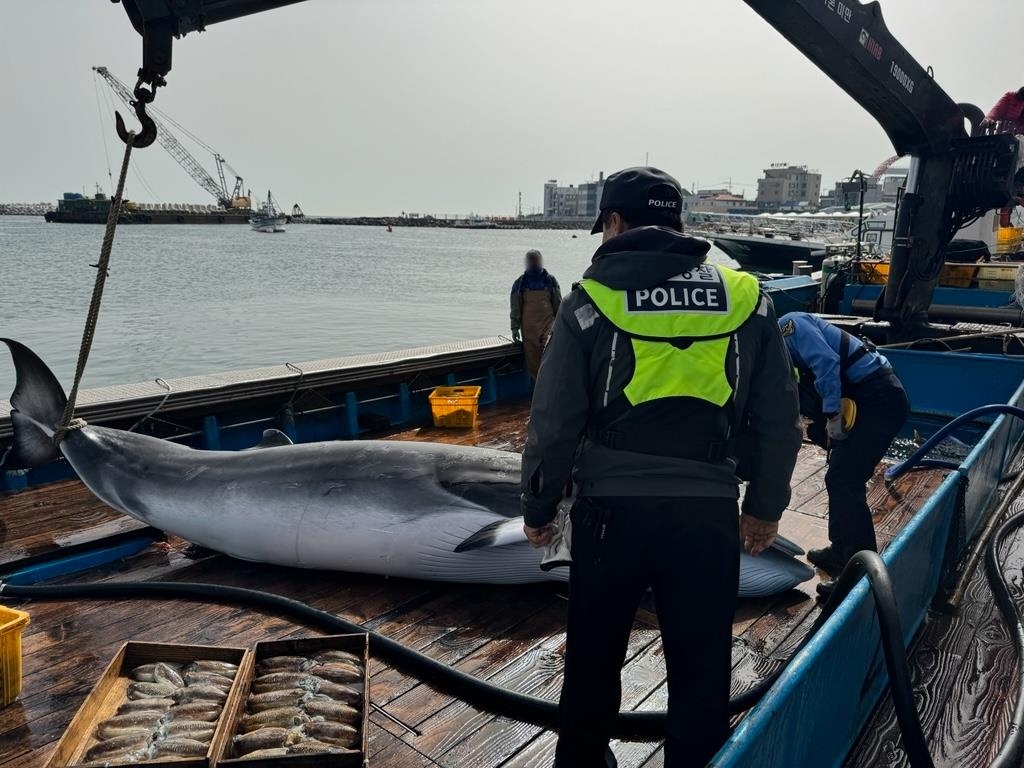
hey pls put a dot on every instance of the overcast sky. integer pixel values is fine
(382, 106)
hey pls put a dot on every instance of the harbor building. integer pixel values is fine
(720, 201)
(786, 186)
(846, 194)
(578, 201)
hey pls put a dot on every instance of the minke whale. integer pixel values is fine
(405, 509)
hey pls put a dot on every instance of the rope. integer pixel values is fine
(68, 422)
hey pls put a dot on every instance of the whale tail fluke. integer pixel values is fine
(38, 405)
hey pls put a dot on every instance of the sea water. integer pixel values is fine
(194, 299)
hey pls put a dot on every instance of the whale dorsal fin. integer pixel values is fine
(273, 438)
(496, 534)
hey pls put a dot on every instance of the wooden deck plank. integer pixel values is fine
(63, 516)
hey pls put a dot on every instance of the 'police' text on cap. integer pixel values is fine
(639, 189)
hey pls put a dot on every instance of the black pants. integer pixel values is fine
(882, 410)
(687, 549)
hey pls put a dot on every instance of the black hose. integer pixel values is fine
(917, 456)
(1010, 753)
(869, 564)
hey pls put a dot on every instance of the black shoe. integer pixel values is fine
(828, 559)
(826, 588)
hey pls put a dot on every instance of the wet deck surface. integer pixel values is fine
(512, 636)
(963, 670)
(65, 516)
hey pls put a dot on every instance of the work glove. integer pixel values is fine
(517, 336)
(834, 427)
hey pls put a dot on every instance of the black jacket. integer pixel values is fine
(575, 373)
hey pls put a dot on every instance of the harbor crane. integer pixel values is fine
(219, 189)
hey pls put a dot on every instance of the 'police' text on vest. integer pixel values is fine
(699, 290)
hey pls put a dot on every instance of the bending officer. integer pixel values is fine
(835, 365)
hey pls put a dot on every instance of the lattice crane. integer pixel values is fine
(184, 158)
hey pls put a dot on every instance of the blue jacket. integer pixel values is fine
(817, 346)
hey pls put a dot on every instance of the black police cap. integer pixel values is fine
(643, 189)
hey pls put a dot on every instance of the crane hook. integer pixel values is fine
(148, 134)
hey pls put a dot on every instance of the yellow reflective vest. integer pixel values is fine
(680, 331)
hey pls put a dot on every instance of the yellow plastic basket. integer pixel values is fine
(12, 623)
(1009, 239)
(455, 406)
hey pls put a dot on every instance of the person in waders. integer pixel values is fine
(661, 371)
(534, 304)
(856, 406)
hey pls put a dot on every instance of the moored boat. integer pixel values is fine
(268, 217)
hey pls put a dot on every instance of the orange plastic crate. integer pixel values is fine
(455, 406)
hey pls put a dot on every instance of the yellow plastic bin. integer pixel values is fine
(12, 623)
(455, 406)
(1009, 239)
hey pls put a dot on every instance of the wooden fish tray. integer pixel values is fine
(356, 643)
(111, 691)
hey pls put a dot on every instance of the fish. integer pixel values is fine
(328, 656)
(276, 681)
(145, 705)
(208, 678)
(134, 722)
(109, 748)
(332, 710)
(338, 672)
(206, 711)
(285, 717)
(314, 747)
(179, 747)
(337, 691)
(288, 697)
(165, 673)
(192, 693)
(311, 683)
(138, 691)
(342, 734)
(264, 738)
(417, 510)
(216, 666)
(200, 730)
(144, 673)
(261, 754)
(283, 664)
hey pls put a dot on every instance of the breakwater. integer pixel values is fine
(25, 209)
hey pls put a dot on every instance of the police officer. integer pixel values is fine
(833, 366)
(534, 304)
(657, 363)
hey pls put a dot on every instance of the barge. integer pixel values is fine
(74, 208)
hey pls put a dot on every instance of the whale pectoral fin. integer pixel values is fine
(272, 438)
(787, 546)
(496, 534)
